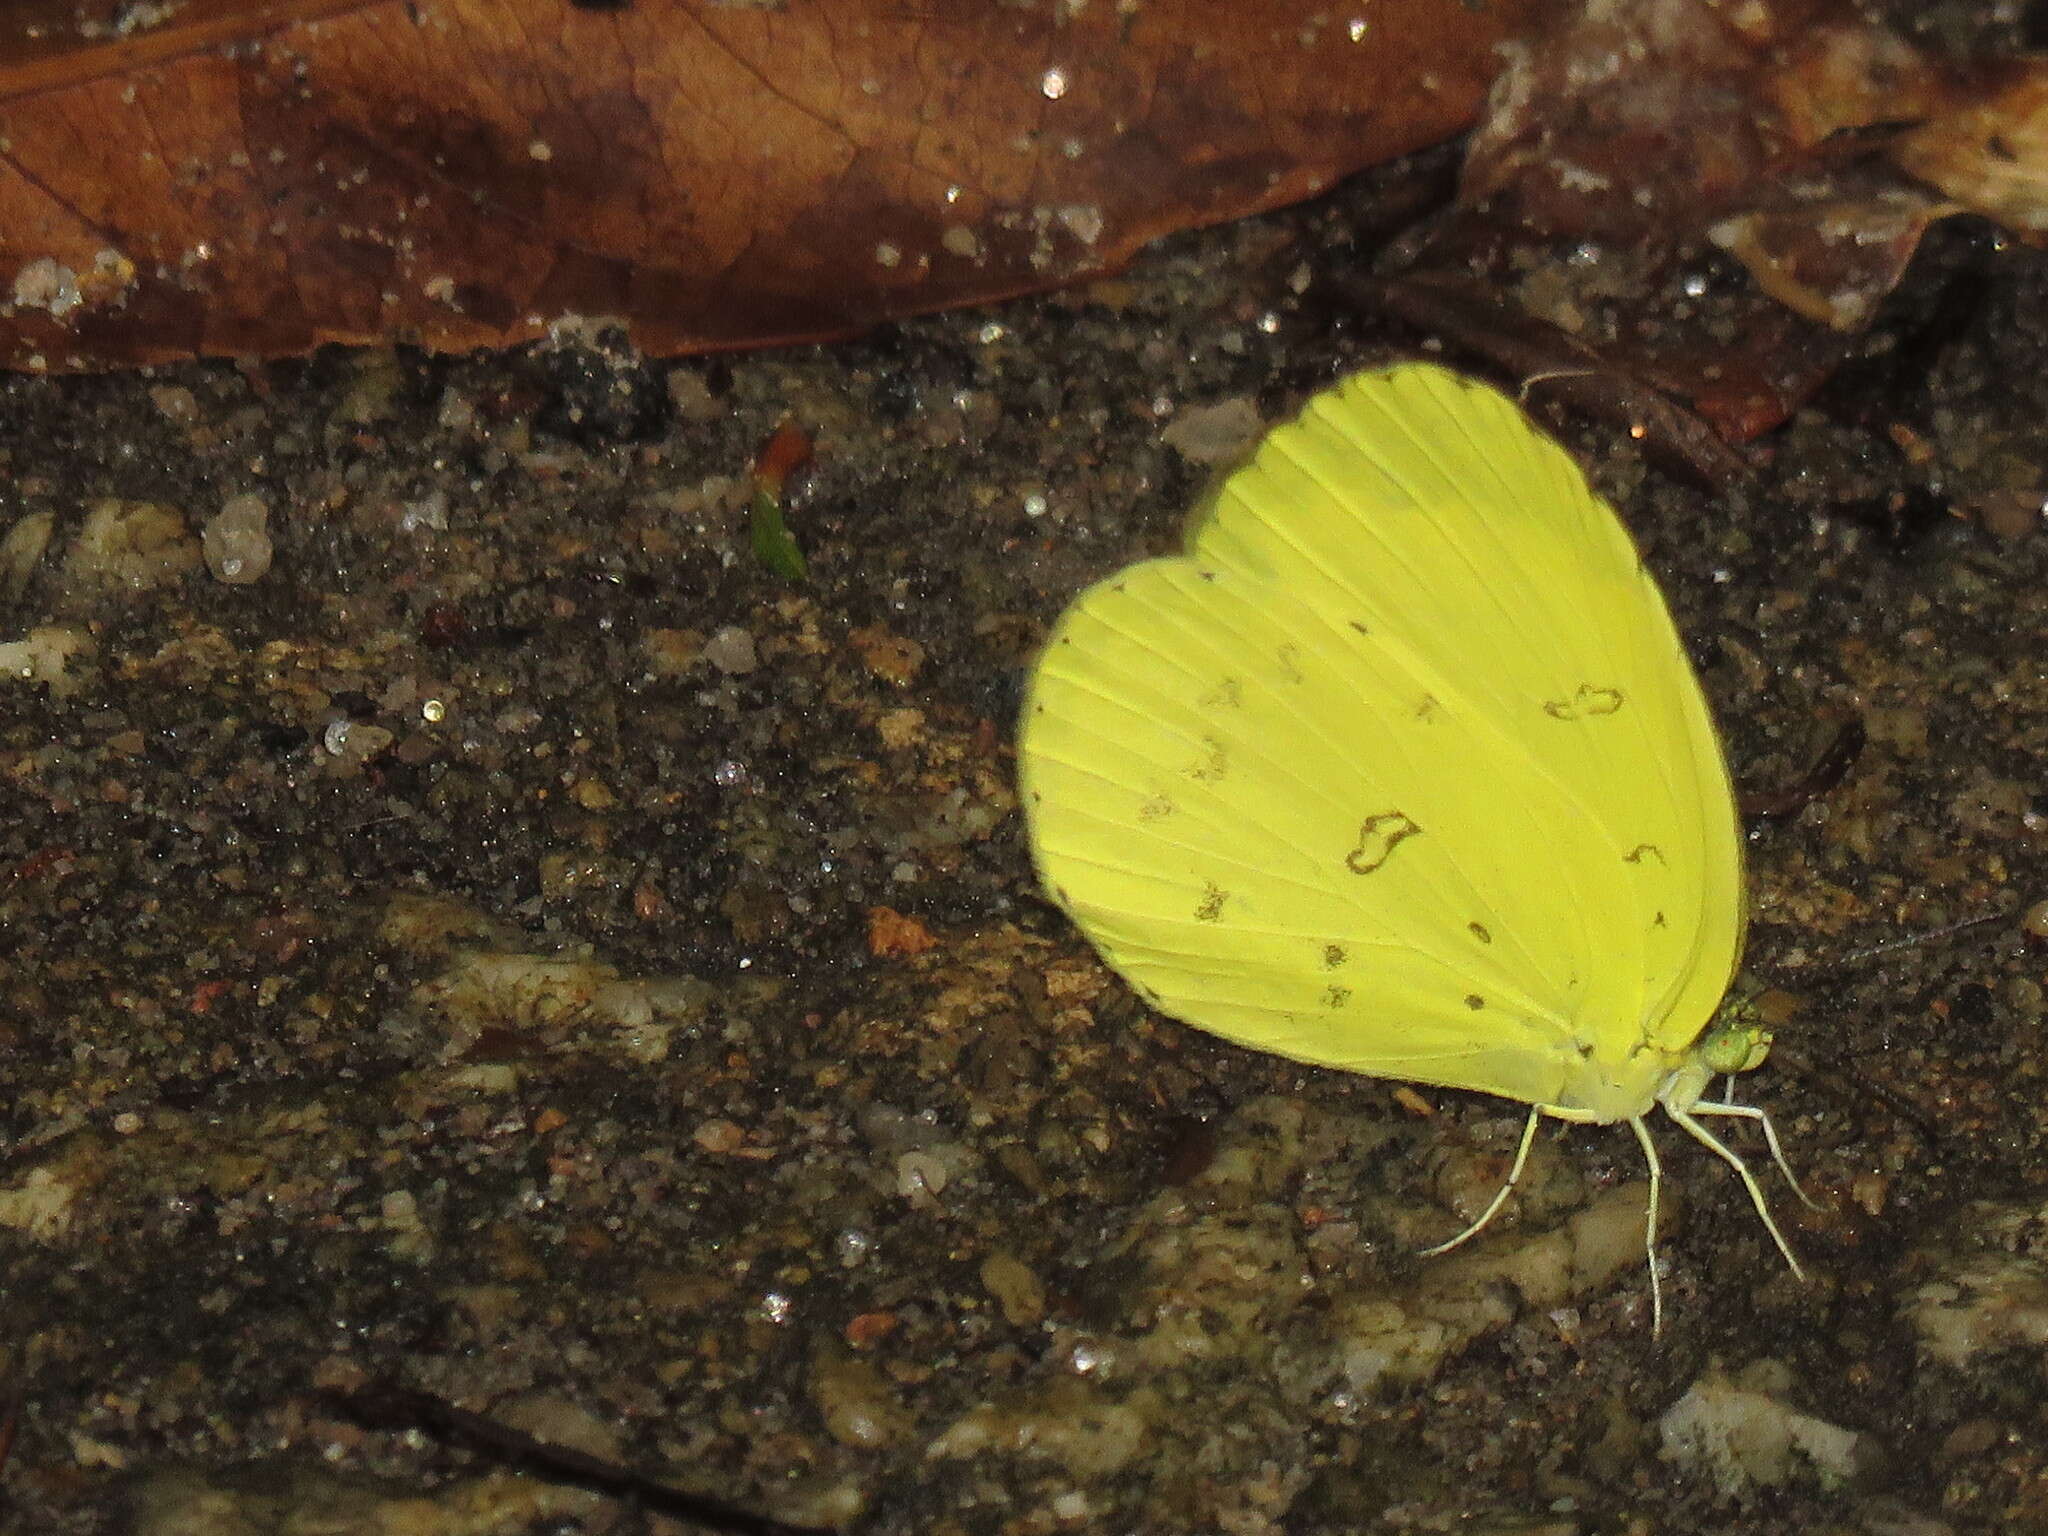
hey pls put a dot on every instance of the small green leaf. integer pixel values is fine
(773, 546)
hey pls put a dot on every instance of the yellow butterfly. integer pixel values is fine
(1401, 768)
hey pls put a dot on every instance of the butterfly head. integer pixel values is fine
(1737, 1041)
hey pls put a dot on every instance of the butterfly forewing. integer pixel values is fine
(1401, 768)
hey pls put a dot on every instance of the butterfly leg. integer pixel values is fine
(1500, 1199)
(1714, 1144)
(1650, 1223)
(1751, 1112)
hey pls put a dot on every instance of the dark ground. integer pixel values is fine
(451, 959)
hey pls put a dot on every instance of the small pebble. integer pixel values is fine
(732, 651)
(236, 541)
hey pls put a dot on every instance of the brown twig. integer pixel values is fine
(388, 1408)
(1828, 770)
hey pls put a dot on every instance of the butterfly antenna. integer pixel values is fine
(1650, 1222)
(1501, 1198)
(1549, 376)
(1913, 940)
(1830, 1083)
(1719, 1148)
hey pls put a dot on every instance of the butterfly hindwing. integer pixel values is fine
(1401, 768)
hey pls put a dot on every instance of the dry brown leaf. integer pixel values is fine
(1630, 150)
(262, 176)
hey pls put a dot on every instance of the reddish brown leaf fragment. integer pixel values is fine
(788, 451)
(892, 934)
(871, 1328)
